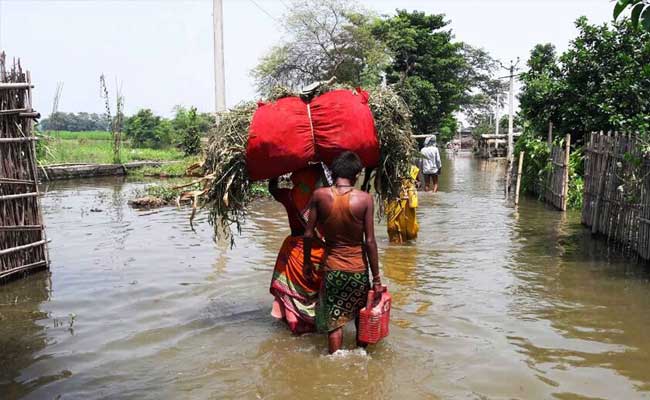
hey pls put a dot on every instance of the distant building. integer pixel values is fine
(492, 146)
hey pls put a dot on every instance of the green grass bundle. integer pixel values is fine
(227, 190)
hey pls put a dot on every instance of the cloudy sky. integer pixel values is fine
(160, 51)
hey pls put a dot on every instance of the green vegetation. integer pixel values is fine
(416, 52)
(602, 82)
(639, 12)
(60, 151)
(171, 170)
(145, 129)
(61, 121)
(537, 167)
(80, 135)
(187, 124)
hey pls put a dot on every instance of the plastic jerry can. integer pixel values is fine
(374, 318)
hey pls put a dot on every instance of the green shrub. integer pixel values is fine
(145, 129)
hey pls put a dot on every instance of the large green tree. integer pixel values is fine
(602, 82)
(427, 67)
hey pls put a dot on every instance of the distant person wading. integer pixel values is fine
(431, 164)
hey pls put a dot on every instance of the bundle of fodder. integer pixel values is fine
(227, 187)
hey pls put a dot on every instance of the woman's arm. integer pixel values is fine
(308, 237)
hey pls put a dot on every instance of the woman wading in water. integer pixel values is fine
(345, 217)
(295, 294)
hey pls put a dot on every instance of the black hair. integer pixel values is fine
(347, 165)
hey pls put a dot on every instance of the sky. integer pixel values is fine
(160, 52)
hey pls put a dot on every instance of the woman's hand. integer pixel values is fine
(308, 271)
(376, 285)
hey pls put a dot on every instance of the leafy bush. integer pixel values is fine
(537, 166)
(187, 124)
(145, 129)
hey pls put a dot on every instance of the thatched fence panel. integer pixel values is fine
(556, 188)
(23, 245)
(617, 191)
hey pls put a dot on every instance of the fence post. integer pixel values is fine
(550, 134)
(601, 184)
(565, 181)
(519, 169)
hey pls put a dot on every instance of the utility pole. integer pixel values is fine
(496, 116)
(219, 64)
(511, 116)
(511, 112)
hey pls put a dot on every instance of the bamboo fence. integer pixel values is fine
(617, 191)
(23, 245)
(553, 187)
(557, 183)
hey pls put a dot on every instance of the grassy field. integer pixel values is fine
(84, 150)
(89, 135)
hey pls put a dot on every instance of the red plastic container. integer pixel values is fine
(374, 318)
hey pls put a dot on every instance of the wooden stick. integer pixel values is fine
(23, 268)
(19, 228)
(23, 247)
(565, 185)
(599, 194)
(13, 86)
(32, 164)
(18, 196)
(16, 181)
(14, 111)
(19, 139)
(519, 170)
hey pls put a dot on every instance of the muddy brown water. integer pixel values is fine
(488, 303)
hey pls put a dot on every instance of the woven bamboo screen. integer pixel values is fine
(23, 245)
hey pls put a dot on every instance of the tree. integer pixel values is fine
(482, 89)
(326, 38)
(427, 66)
(61, 121)
(540, 97)
(602, 82)
(145, 129)
(639, 12)
(187, 125)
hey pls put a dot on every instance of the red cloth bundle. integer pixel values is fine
(286, 135)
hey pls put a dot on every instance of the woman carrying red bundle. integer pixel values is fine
(295, 294)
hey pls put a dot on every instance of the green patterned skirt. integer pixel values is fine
(342, 296)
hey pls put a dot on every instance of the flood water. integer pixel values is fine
(488, 303)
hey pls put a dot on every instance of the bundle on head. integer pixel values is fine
(228, 191)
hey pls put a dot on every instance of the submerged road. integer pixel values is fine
(490, 302)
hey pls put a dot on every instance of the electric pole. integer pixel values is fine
(511, 112)
(496, 116)
(511, 116)
(219, 73)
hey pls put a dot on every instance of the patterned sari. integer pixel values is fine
(295, 298)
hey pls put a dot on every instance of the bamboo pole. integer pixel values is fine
(23, 247)
(18, 196)
(19, 228)
(10, 181)
(15, 111)
(519, 170)
(24, 268)
(16, 85)
(32, 164)
(565, 180)
(601, 188)
(19, 139)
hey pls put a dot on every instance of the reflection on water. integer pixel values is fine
(490, 302)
